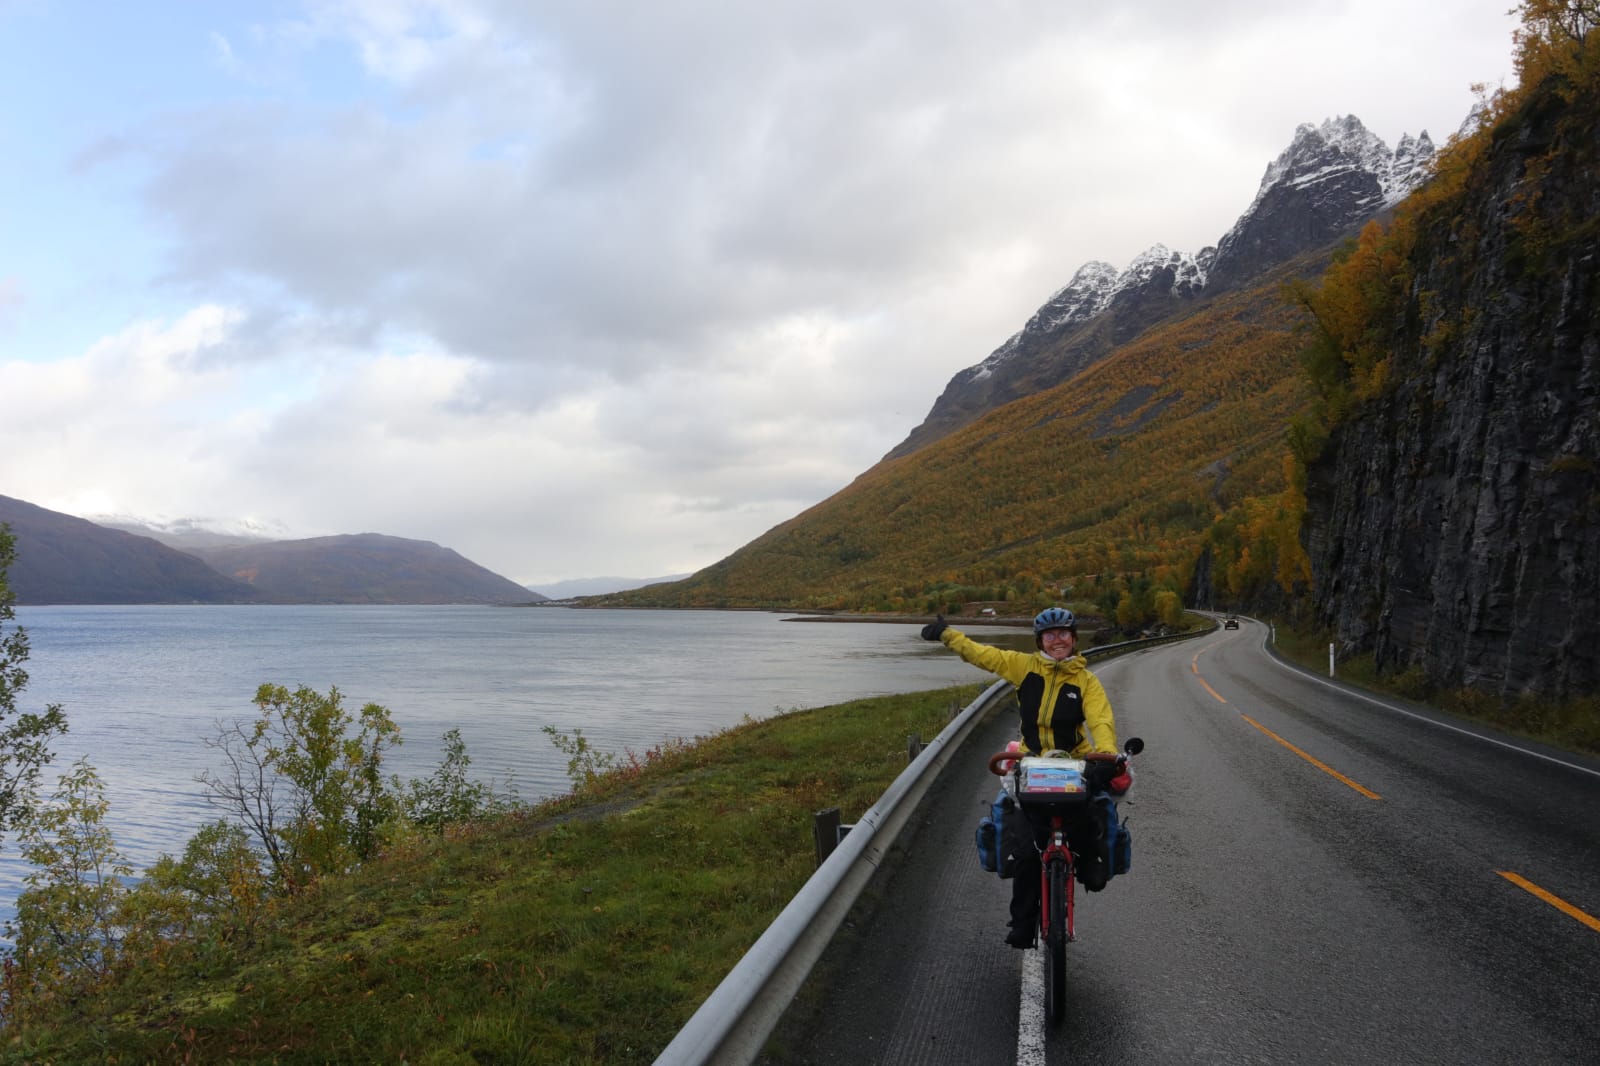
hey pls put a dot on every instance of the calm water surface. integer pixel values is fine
(142, 687)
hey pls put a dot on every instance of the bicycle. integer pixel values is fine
(1060, 792)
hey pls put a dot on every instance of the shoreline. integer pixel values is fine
(959, 621)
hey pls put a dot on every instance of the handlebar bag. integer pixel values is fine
(1052, 784)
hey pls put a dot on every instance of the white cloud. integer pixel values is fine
(615, 287)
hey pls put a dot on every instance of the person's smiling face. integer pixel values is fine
(1058, 643)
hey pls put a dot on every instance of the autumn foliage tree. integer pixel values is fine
(1552, 39)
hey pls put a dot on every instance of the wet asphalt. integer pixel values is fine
(1316, 879)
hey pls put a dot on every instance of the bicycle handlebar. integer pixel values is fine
(1133, 747)
(999, 757)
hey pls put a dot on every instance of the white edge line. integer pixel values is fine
(1030, 1012)
(1309, 676)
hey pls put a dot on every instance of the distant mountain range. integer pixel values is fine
(62, 559)
(362, 568)
(185, 534)
(598, 586)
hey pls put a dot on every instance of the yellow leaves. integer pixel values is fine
(1355, 311)
(1257, 543)
(1169, 607)
(1553, 40)
(1369, 381)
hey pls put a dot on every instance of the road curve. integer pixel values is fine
(1316, 878)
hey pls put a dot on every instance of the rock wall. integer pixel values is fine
(1454, 523)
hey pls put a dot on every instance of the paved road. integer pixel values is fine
(1316, 879)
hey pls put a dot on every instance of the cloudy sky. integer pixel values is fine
(602, 287)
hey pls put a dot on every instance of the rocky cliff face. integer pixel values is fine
(1452, 523)
(1330, 179)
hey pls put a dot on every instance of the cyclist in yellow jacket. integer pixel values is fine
(1062, 706)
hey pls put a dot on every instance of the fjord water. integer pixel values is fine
(143, 688)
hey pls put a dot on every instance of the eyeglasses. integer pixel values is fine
(1058, 634)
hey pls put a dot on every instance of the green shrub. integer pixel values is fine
(67, 932)
(305, 779)
(447, 797)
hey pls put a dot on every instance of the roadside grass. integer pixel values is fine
(1572, 726)
(584, 930)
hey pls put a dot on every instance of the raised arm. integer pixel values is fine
(1010, 665)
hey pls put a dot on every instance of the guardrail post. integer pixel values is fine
(913, 747)
(825, 828)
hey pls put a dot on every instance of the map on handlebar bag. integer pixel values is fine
(1051, 776)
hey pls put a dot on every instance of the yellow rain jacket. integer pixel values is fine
(1057, 699)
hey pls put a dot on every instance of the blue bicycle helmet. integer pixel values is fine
(1054, 618)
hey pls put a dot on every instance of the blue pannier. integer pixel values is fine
(1119, 839)
(990, 831)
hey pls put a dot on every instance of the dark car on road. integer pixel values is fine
(1232, 623)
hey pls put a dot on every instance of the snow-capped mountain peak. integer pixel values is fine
(1085, 296)
(1408, 167)
(1339, 167)
(1329, 180)
(189, 533)
(1188, 271)
(1343, 145)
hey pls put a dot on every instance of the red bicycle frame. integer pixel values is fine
(1056, 850)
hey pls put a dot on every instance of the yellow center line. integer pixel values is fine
(1313, 760)
(1194, 665)
(1555, 901)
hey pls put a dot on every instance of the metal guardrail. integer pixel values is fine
(734, 1022)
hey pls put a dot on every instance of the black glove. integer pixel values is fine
(932, 630)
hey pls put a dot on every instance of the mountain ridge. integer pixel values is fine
(363, 568)
(64, 559)
(596, 586)
(1331, 178)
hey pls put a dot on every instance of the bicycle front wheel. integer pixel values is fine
(1055, 943)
